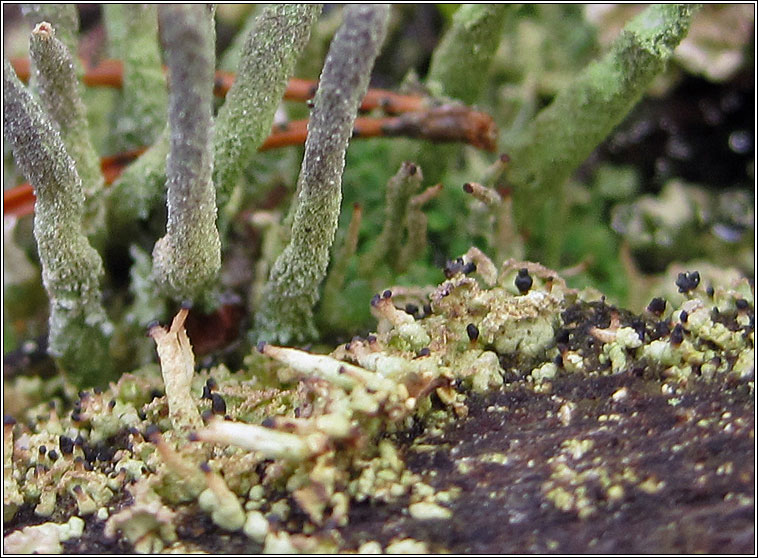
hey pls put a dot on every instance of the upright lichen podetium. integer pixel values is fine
(71, 269)
(187, 259)
(564, 133)
(289, 296)
(60, 94)
(462, 59)
(267, 61)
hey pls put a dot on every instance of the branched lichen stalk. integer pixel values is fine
(187, 259)
(60, 94)
(71, 269)
(292, 291)
(133, 37)
(462, 59)
(267, 61)
(585, 112)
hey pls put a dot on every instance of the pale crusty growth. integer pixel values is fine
(60, 94)
(187, 259)
(292, 290)
(71, 268)
(268, 59)
(177, 367)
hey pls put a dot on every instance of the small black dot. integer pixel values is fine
(687, 281)
(66, 445)
(741, 304)
(53, 455)
(523, 281)
(472, 331)
(657, 306)
(423, 352)
(151, 431)
(218, 405)
(683, 316)
(387, 294)
(677, 335)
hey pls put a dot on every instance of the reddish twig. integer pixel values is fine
(409, 116)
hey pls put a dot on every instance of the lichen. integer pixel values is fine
(330, 441)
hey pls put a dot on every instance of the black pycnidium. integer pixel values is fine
(66, 444)
(105, 453)
(657, 306)
(423, 352)
(472, 331)
(677, 335)
(683, 316)
(387, 294)
(687, 281)
(411, 308)
(52, 455)
(523, 281)
(151, 431)
(741, 304)
(218, 405)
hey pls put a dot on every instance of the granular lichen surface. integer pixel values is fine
(429, 436)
